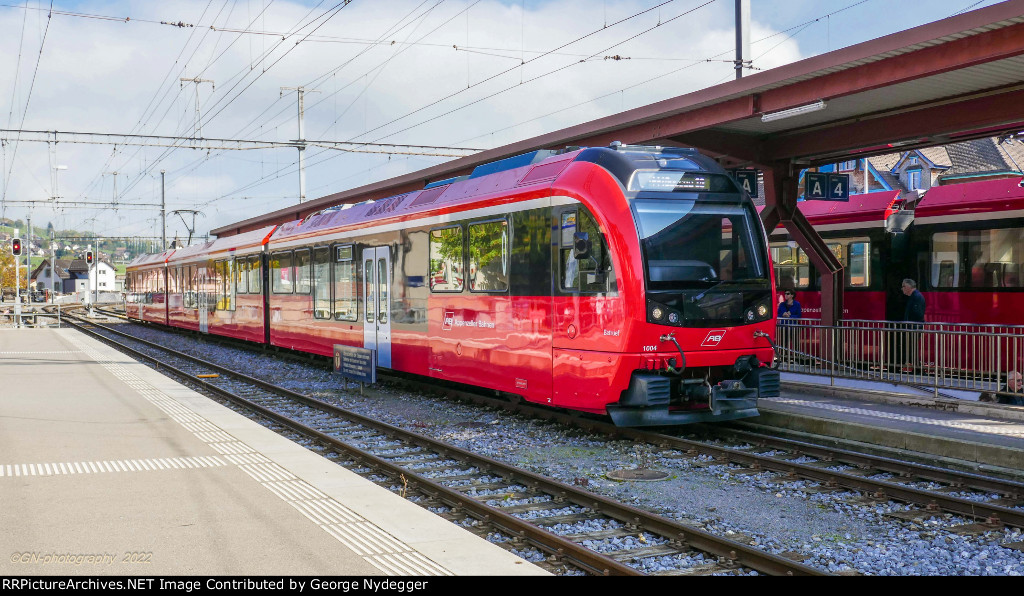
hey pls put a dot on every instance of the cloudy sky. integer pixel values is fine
(442, 73)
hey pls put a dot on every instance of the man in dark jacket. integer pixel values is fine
(914, 315)
(915, 302)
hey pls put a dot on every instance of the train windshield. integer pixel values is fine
(690, 244)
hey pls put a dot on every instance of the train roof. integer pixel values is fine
(191, 251)
(228, 244)
(868, 210)
(864, 210)
(992, 199)
(150, 259)
(522, 172)
(450, 196)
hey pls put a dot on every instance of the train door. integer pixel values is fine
(203, 299)
(376, 301)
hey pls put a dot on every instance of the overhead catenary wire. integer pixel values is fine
(28, 100)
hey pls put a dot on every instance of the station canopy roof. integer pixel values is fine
(955, 79)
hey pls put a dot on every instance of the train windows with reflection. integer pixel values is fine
(369, 297)
(345, 285)
(447, 260)
(255, 279)
(858, 273)
(977, 258)
(488, 256)
(229, 284)
(242, 276)
(302, 271)
(322, 283)
(583, 255)
(281, 274)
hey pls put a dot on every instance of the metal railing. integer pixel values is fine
(953, 356)
(23, 316)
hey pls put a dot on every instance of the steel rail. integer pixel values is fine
(880, 489)
(732, 552)
(995, 514)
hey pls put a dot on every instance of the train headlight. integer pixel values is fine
(657, 312)
(762, 311)
(673, 317)
(750, 315)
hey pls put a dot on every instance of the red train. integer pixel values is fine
(628, 281)
(963, 244)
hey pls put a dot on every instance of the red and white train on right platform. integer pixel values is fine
(963, 244)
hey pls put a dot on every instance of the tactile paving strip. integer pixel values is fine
(376, 546)
(998, 428)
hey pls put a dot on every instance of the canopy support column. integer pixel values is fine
(780, 190)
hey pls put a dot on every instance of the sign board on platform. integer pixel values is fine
(357, 364)
(821, 186)
(747, 179)
(839, 187)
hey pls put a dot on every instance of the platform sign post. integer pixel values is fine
(747, 179)
(357, 364)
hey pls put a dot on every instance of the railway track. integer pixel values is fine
(572, 528)
(993, 502)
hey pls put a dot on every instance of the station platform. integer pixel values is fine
(108, 467)
(981, 437)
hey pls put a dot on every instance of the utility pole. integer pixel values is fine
(17, 285)
(198, 131)
(301, 140)
(28, 259)
(163, 211)
(96, 273)
(743, 57)
(53, 268)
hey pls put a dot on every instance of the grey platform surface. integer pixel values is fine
(108, 467)
(987, 434)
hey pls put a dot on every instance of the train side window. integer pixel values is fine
(488, 256)
(281, 274)
(346, 287)
(242, 275)
(857, 270)
(229, 284)
(218, 284)
(370, 298)
(803, 269)
(302, 271)
(584, 261)
(945, 260)
(322, 283)
(447, 260)
(189, 300)
(255, 279)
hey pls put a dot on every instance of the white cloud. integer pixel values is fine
(100, 75)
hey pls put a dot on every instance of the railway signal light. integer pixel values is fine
(88, 258)
(16, 247)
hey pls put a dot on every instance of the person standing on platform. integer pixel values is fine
(915, 302)
(789, 308)
(789, 311)
(914, 316)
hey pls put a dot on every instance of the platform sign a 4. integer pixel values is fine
(838, 187)
(747, 179)
(815, 186)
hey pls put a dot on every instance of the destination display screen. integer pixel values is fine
(679, 181)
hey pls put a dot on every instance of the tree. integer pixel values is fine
(7, 270)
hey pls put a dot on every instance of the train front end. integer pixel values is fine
(705, 337)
